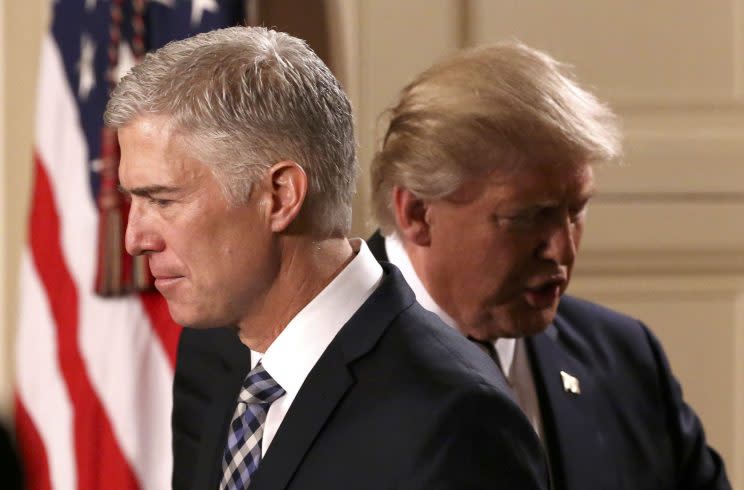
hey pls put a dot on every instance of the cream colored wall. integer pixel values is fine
(665, 239)
(22, 27)
(4, 354)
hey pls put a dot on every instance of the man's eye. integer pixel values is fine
(161, 203)
(521, 219)
(578, 215)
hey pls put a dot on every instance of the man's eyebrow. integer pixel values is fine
(587, 195)
(146, 191)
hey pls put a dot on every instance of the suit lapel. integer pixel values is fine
(321, 392)
(575, 439)
(329, 380)
(218, 414)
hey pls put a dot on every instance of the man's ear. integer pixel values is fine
(412, 216)
(288, 190)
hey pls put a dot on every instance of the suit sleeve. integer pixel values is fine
(481, 440)
(699, 467)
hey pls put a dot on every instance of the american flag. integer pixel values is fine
(94, 374)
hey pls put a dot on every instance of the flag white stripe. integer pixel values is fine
(126, 362)
(40, 387)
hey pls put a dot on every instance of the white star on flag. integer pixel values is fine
(85, 66)
(96, 164)
(198, 7)
(90, 4)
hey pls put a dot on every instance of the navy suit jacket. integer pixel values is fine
(397, 401)
(629, 427)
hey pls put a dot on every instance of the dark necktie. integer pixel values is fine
(490, 351)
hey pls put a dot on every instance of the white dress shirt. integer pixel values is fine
(294, 353)
(512, 352)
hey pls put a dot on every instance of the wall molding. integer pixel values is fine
(721, 262)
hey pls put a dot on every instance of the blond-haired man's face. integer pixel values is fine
(502, 247)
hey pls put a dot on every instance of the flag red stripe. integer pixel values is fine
(99, 460)
(165, 328)
(31, 450)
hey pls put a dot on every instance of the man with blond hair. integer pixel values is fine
(481, 188)
(238, 152)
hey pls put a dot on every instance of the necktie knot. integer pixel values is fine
(259, 387)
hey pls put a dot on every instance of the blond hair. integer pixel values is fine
(481, 108)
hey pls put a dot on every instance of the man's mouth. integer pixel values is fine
(545, 293)
(163, 283)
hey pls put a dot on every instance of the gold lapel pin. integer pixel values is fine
(570, 383)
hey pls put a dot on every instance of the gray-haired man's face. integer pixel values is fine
(211, 260)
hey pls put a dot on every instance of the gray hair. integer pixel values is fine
(483, 108)
(246, 98)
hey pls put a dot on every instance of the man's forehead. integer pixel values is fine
(544, 182)
(153, 154)
(149, 126)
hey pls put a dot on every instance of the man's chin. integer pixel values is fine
(198, 326)
(524, 325)
(535, 324)
(188, 319)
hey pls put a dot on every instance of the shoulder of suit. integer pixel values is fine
(443, 353)
(580, 322)
(580, 311)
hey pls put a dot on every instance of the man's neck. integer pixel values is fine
(305, 268)
(417, 255)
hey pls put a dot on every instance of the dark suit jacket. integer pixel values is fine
(629, 428)
(10, 466)
(397, 401)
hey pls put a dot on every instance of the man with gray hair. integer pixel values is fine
(481, 188)
(237, 150)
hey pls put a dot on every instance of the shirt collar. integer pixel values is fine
(397, 255)
(294, 353)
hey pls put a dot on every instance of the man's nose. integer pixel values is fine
(141, 236)
(560, 242)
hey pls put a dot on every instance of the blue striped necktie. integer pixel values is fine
(243, 449)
